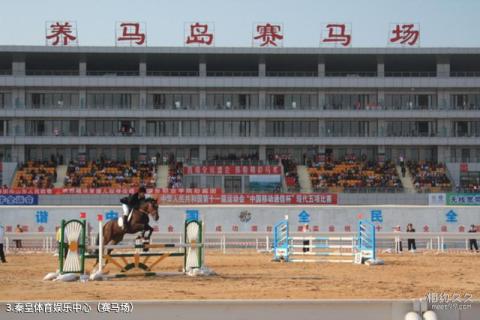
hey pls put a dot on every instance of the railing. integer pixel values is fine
(51, 72)
(172, 107)
(291, 74)
(173, 73)
(373, 189)
(232, 73)
(410, 73)
(464, 73)
(234, 162)
(350, 74)
(5, 72)
(359, 189)
(471, 159)
(467, 190)
(114, 73)
(227, 242)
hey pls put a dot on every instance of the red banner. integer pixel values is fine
(232, 170)
(60, 191)
(252, 199)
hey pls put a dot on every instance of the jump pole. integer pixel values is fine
(100, 242)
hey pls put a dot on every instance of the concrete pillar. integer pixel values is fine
(202, 66)
(262, 66)
(381, 97)
(262, 153)
(203, 99)
(443, 99)
(17, 127)
(143, 127)
(143, 100)
(83, 98)
(82, 127)
(262, 100)
(321, 66)
(262, 128)
(18, 65)
(322, 128)
(443, 66)
(443, 154)
(19, 98)
(142, 69)
(380, 66)
(18, 153)
(321, 100)
(321, 155)
(202, 152)
(202, 128)
(381, 154)
(82, 66)
(382, 129)
(445, 128)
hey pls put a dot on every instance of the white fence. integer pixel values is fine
(261, 241)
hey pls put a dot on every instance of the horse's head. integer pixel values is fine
(151, 207)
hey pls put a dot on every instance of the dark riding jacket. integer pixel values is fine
(133, 201)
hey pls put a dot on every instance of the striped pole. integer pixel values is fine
(100, 242)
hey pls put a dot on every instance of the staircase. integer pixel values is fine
(304, 179)
(407, 181)
(162, 176)
(61, 174)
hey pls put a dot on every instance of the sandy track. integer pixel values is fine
(254, 276)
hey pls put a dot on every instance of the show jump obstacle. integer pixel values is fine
(73, 251)
(359, 249)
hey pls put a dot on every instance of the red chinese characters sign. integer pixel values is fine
(131, 34)
(61, 33)
(199, 34)
(406, 34)
(103, 191)
(252, 199)
(336, 34)
(233, 170)
(268, 35)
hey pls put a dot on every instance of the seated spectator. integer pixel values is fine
(110, 174)
(36, 174)
(429, 176)
(354, 175)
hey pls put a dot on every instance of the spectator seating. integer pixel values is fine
(429, 176)
(35, 174)
(110, 174)
(291, 175)
(175, 175)
(355, 176)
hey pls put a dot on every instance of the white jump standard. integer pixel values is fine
(73, 243)
(351, 249)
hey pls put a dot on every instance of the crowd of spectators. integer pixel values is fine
(291, 175)
(175, 175)
(354, 175)
(469, 188)
(36, 174)
(110, 174)
(429, 176)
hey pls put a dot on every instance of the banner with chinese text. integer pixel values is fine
(252, 199)
(232, 170)
(463, 199)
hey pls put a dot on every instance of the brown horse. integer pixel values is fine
(113, 233)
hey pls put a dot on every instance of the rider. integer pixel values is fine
(133, 201)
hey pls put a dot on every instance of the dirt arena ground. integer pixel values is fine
(254, 276)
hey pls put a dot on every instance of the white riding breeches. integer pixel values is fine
(126, 211)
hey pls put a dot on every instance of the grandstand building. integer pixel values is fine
(251, 105)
